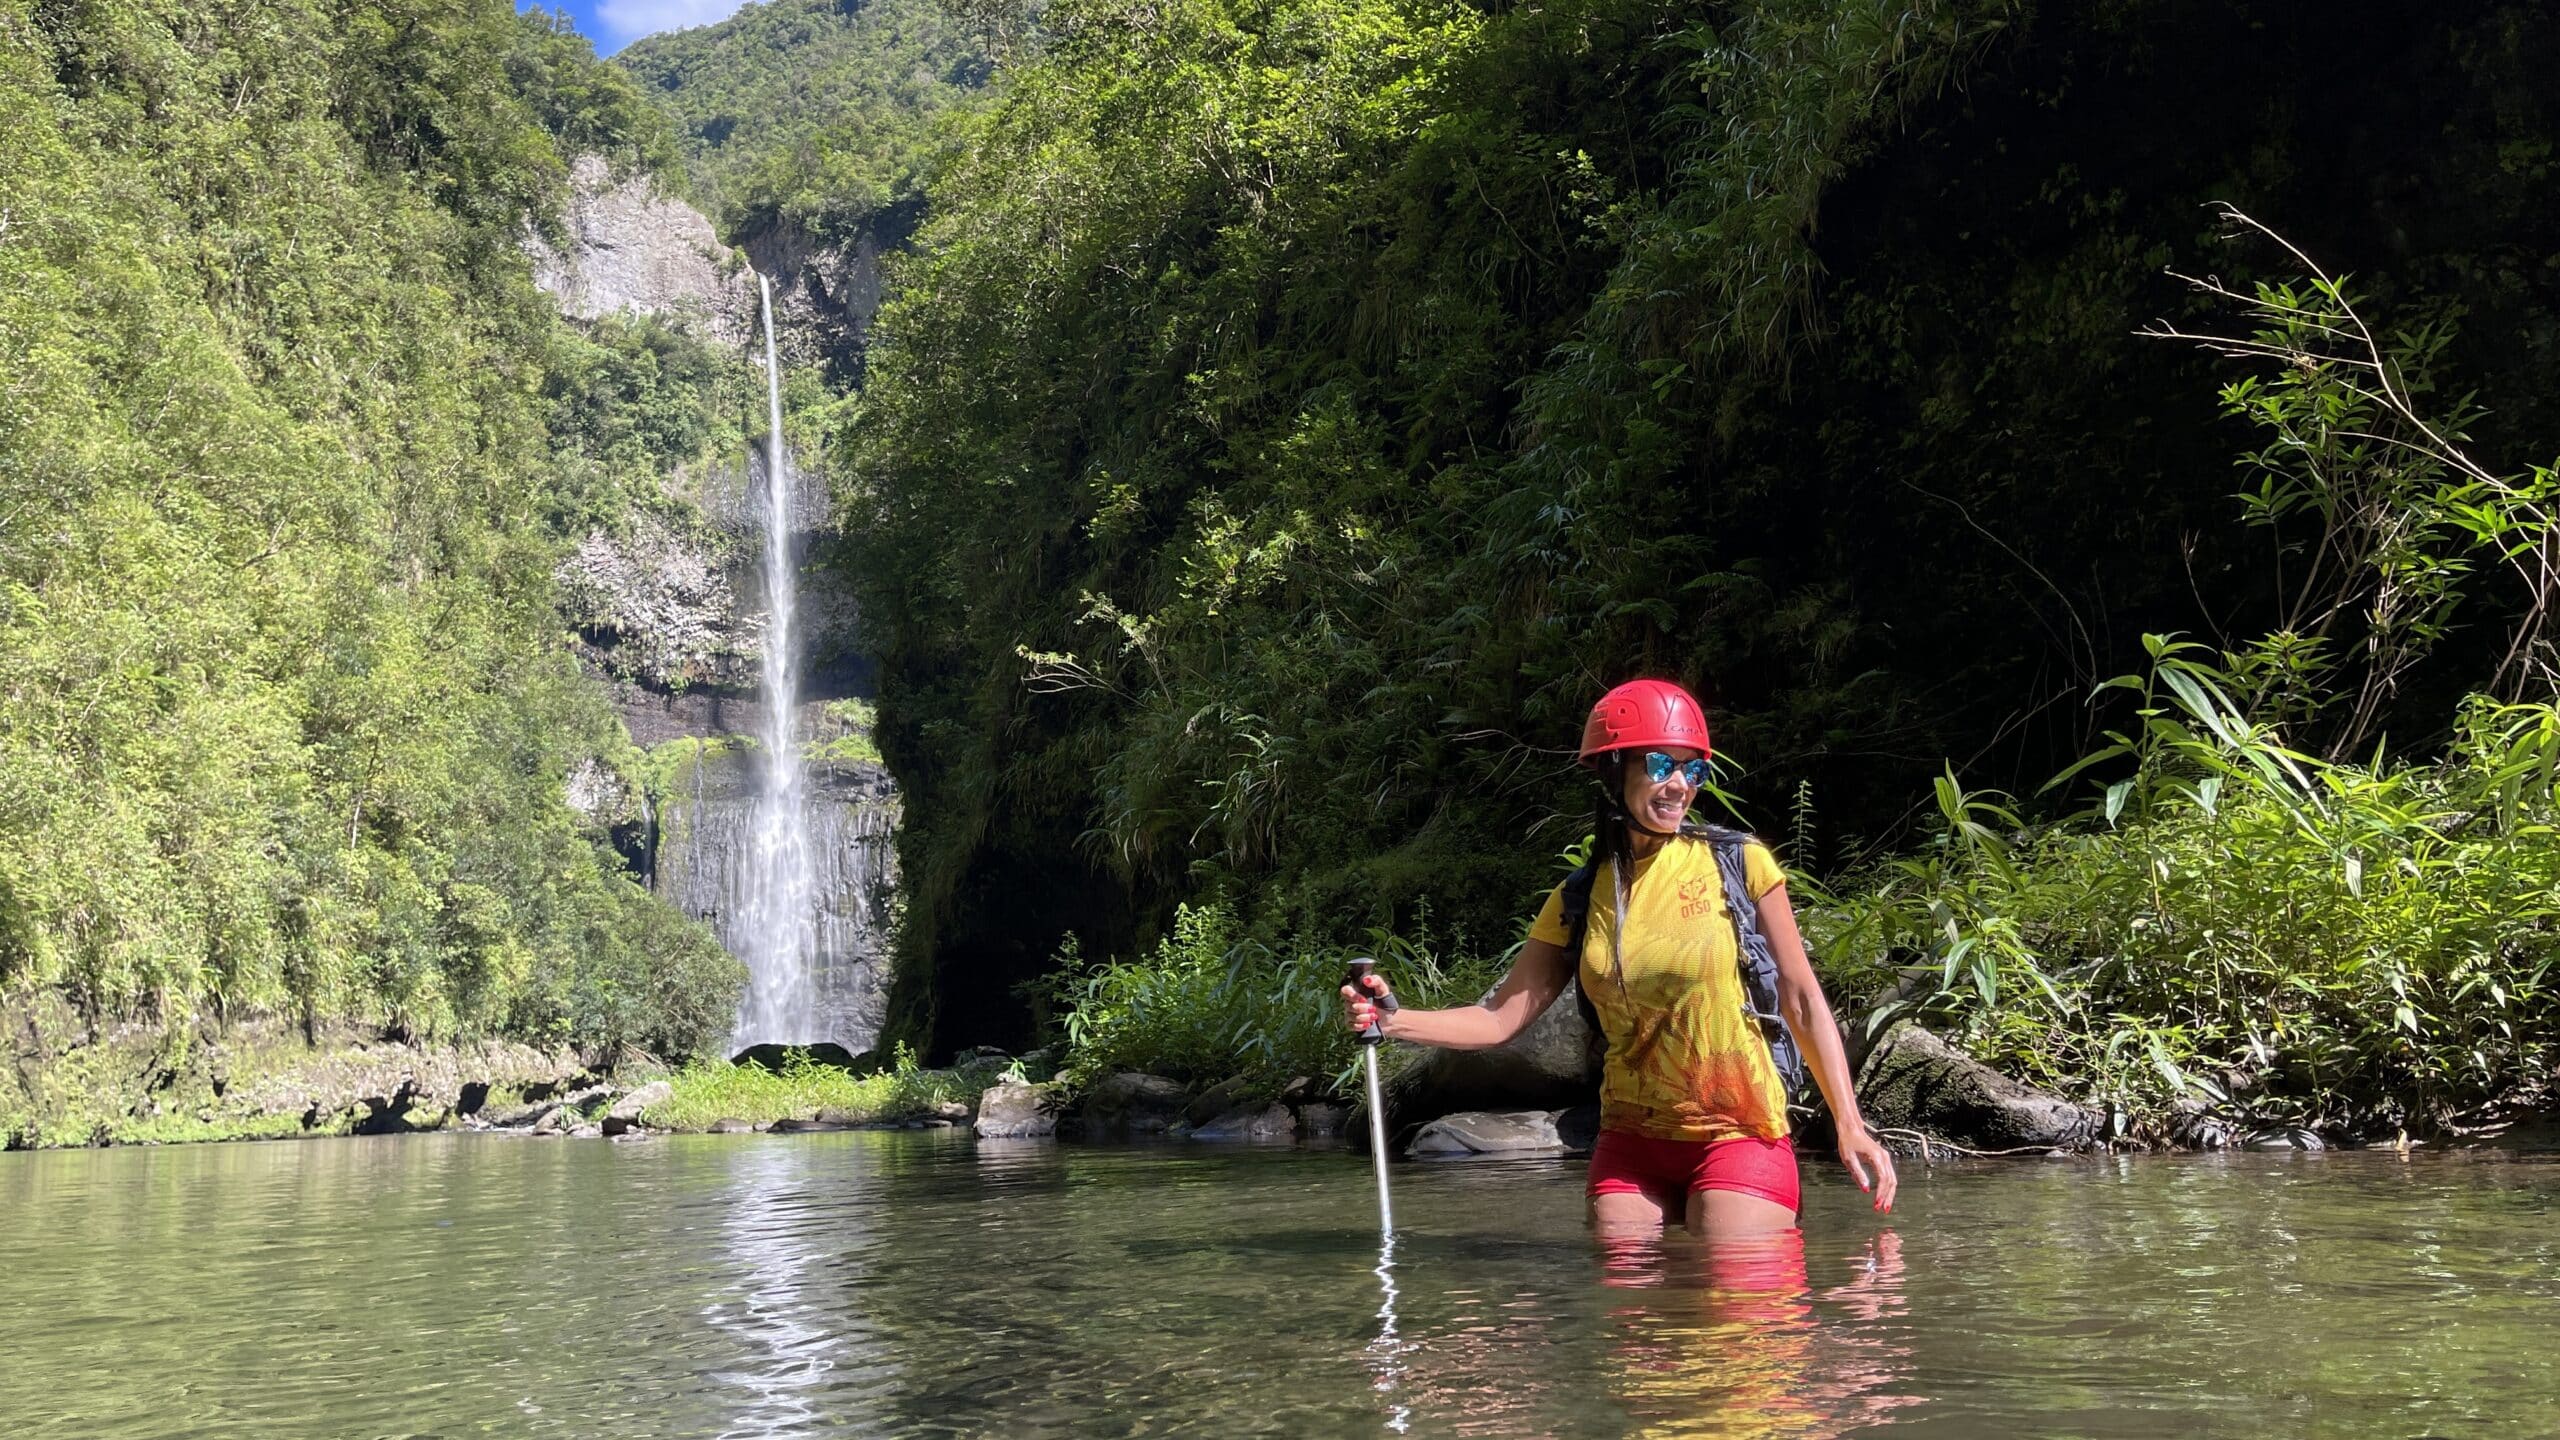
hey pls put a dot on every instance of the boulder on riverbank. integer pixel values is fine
(1914, 1081)
(623, 1115)
(1130, 1103)
(1015, 1109)
(1552, 1065)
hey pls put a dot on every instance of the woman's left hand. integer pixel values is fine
(1870, 1164)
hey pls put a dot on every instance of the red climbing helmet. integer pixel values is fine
(1644, 713)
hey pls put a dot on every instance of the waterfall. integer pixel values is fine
(781, 917)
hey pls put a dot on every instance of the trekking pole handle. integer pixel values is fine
(1361, 970)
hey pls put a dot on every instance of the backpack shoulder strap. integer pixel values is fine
(1751, 948)
(1576, 891)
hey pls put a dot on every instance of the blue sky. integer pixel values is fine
(613, 24)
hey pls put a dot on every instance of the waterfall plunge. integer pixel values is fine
(781, 919)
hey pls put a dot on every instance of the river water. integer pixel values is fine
(920, 1284)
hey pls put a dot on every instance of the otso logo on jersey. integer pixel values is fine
(1697, 896)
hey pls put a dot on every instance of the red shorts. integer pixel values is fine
(1673, 1170)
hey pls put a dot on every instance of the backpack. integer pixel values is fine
(1759, 967)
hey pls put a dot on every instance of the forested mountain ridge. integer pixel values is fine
(1295, 414)
(817, 115)
(284, 473)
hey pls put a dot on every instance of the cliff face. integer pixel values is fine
(669, 604)
(633, 249)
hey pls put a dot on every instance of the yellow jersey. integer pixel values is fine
(1684, 1061)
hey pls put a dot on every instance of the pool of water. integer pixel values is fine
(914, 1284)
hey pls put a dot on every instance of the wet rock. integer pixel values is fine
(587, 1132)
(1130, 1103)
(1915, 1081)
(1322, 1120)
(1578, 1126)
(2194, 1126)
(1215, 1101)
(1245, 1122)
(1014, 1109)
(554, 1121)
(823, 1052)
(949, 1112)
(1483, 1132)
(1553, 1064)
(817, 1125)
(2285, 1138)
(623, 1116)
(732, 1127)
(518, 1117)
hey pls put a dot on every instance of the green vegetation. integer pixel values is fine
(710, 1091)
(281, 488)
(2344, 940)
(817, 115)
(1211, 1003)
(1295, 413)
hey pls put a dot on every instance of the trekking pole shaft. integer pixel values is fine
(1370, 1039)
(1378, 1139)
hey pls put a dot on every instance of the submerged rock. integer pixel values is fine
(1322, 1120)
(1133, 1104)
(732, 1127)
(1013, 1109)
(1915, 1081)
(1247, 1122)
(1507, 1132)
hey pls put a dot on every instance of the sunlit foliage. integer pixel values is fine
(287, 711)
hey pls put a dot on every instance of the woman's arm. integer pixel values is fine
(1537, 977)
(1808, 1016)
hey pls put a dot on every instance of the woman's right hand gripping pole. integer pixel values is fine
(1368, 1001)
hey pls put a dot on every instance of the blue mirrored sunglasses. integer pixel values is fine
(1658, 768)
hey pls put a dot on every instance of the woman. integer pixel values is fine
(1693, 1115)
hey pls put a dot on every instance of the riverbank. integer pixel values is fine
(66, 1083)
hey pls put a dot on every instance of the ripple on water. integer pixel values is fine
(918, 1285)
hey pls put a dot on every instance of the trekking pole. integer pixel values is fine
(1369, 1041)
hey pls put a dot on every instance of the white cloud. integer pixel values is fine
(627, 20)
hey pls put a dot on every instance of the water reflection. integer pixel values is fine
(1730, 1338)
(785, 1310)
(1387, 1351)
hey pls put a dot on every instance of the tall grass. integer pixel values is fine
(710, 1091)
(2239, 925)
(1209, 1003)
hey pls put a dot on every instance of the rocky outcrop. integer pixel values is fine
(631, 247)
(658, 604)
(63, 1083)
(1915, 1081)
(1552, 1065)
(827, 294)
